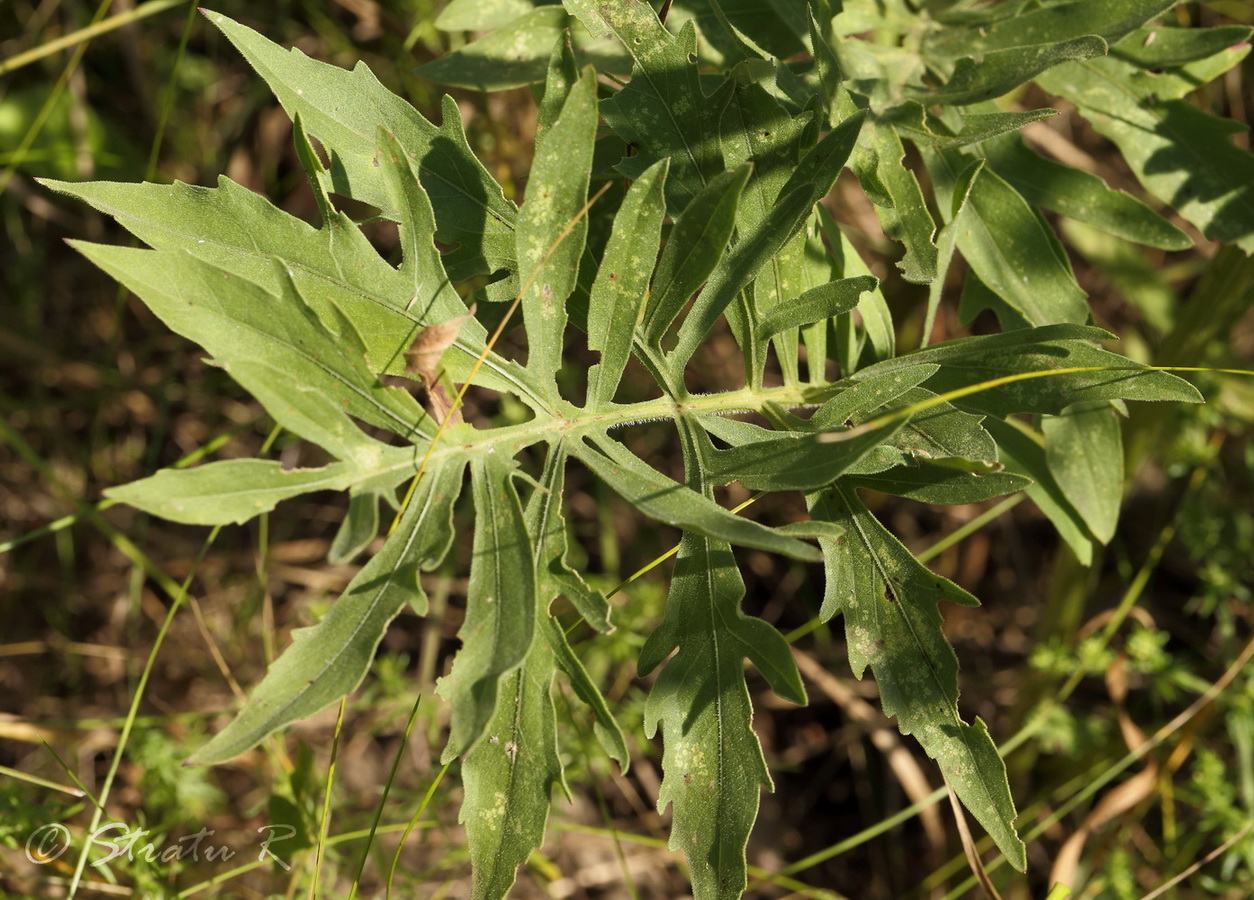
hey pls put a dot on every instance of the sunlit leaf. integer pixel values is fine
(328, 660)
(1182, 155)
(662, 109)
(930, 483)
(695, 245)
(1015, 253)
(796, 462)
(1022, 452)
(718, 212)
(342, 110)
(358, 529)
(898, 200)
(1159, 47)
(617, 301)
(513, 55)
(1047, 24)
(308, 376)
(220, 493)
(998, 72)
(1079, 195)
(551, 231)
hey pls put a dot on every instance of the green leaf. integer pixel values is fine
(796, 462)
(695, 245)
(605, 727)
(421, 538)
(809, 183)
(547, 527)
(560, 77)
(343, 109)
(777, 25)
(497, 632)
(1125, 379)
(712, 761)
(868, 393)
(755, 128)
(826, 63)
(805, 264)
(877, 321)
(327, 661)
(1049, 23)
(1081, 196)
(662, 109)
(334, 268)
(668, 501)
(911, 120)
(823, 162)
(967, 362)
(959, 192)
(960, 348)
(730, 147)
(892, 623)
(1182, 155)
(241, 232)
(898, 199)
(1157, 47)
(550, 241)
(997, 72)
(1134, 274)
(747, 258)
(226, 492)
(618, 297)
(309, 377)
(938, 433)
(1015, 253)
(1084, 450)
(314, 171)
(432, 299)
(358, 529)
(481, 15)
(514, 55)
(931, 483)
(1022, 452)
(422, 267)
(508, 777)
(816, 305)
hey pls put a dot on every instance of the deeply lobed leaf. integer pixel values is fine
(306, 318)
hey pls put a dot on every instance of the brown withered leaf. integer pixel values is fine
(423, 360)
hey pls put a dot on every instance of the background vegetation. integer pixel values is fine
(95, 392)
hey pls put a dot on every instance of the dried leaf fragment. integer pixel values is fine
(423, 359)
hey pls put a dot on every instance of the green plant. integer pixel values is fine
(729, 147)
